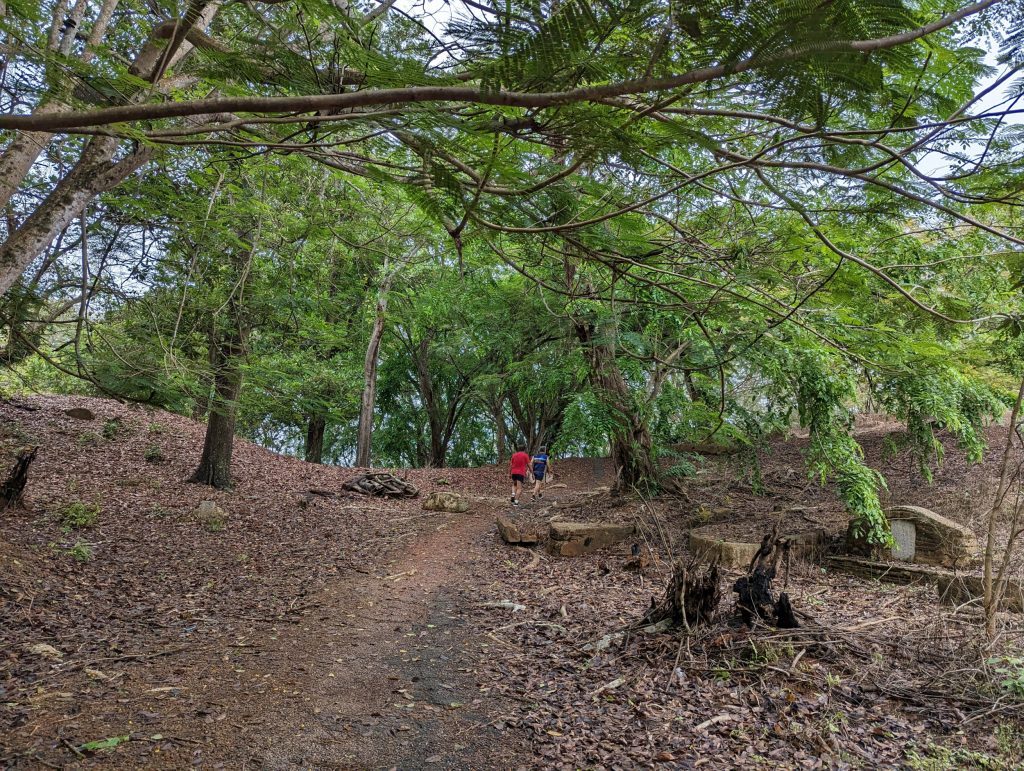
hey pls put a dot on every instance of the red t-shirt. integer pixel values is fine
(520, 460)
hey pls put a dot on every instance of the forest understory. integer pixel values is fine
(340, 631)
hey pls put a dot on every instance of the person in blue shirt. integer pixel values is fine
(540, 465)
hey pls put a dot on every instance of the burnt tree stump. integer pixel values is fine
(756, 596)
(14, 486)
(691, 598)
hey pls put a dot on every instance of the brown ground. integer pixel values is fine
(357, 633)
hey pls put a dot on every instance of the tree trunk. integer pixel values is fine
(991, 587)
(215, 465)
(632, 446)
(315, 439)
(96, 171)
(14, 485)
(500, 440)
(437, 451)
(364, 439)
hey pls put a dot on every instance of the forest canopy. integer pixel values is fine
(410, 234)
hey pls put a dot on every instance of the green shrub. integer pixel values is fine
(80, 552)
(153, 454)
(78, 515)
(88, 437)
(156, 428)
(111, 428)
(1010, 670)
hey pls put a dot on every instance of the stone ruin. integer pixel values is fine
(923, 537)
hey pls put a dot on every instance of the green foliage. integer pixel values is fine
(935, 757)
(80, 552)
(109, 743)
(87, 438)
(699, 241)
(1011, 671)
(111, 428)
(825, 388)
(937, 398)
(77, 515)
(212, 520)
(153, 454)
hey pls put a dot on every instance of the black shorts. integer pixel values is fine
(519, 477)
(538, 476)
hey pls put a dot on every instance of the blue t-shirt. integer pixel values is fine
(540, 464)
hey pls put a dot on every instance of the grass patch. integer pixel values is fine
(80, 552)
(78, 515)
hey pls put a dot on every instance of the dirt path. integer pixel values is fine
(382, 673)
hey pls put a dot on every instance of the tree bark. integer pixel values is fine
(500, 439)
(438, 450)
(992, 588)
(364, 438)
(631, 442)
(215, 465)
(315, 439)
(12, 488)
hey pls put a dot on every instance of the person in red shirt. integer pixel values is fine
(517, 470)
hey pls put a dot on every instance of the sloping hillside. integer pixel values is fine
(343, 631)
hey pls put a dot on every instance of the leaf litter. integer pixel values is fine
(197, 648)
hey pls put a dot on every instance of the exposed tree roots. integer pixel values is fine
(14, 486)
(756, 597)
(691, 598)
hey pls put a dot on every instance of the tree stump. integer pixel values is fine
(14, 486)
(756, 597)
(691, 598)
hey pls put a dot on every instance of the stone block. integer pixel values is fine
(444, 501)
(211, 516)
(512, 533)
(904, 533)
(931, 539)
(80, 413)
(573, 539)
(739, 554)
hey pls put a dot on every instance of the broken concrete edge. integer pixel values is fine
(937, 539)
(565, 530)
(511, 533)
(574, 539)
(953, 588)
(738, 554)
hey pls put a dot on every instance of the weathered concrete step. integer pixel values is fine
(953, 588)
(738, 554)
(572, 539)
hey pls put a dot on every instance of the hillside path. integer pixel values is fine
(380, 673)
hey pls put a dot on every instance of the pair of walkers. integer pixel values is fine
(539, 466)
